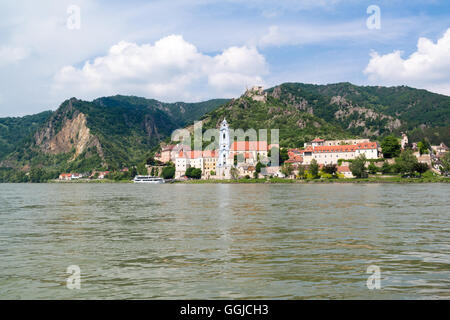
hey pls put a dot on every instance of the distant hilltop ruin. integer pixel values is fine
(256, 93)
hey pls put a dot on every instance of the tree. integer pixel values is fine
(258, 167)
(330, 169)
(446, 163)
(197, 173)
(168, 172)
(133, 172)
(314, 169)
(386, 168)
(390, 147)
(151, 161)
(283, 155)
(423, 146)
(301, 172)
(37, 175)
(420, 168)
(287, 169)
(152, 172)
(234, 173)
(142, 169)
(193, 173)
(372, 168)
(405, 164)
(358, 166)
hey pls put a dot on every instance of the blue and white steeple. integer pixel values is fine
(224, 144)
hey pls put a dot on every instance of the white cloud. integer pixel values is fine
(336, 33)
(12, 55)
(428, 67)
(171, 69)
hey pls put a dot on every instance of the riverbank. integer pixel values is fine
(393, 179)
(90, 181)
(384, 179)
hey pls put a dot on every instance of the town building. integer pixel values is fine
(250, 151)
(70, 176)
(404, 141)
(440, 149)
(65, 176)
(99, 174)
(168, 153)
(345, 171)
(330, 154)
(321, 142)
(204, 160)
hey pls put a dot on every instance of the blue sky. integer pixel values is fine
(192, 50)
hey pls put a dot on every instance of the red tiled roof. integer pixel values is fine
(210, 154)
(367, 145)
(295, 159)
(318, 140)
(249, 146)
(198, 154)
(343, 169)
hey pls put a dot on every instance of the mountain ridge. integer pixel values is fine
(117, 131)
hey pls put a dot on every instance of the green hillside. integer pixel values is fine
(373, 111)
(180, 113)
(109, 132)
(295, 125)
(14, 130)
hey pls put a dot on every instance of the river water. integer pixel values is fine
(221, 241)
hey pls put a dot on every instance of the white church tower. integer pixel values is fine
(223, 168)
(224, 144)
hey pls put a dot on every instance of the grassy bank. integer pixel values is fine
(371, 179)
(91, 181)
(391, 179)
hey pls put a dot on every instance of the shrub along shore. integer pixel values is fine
(390, 179)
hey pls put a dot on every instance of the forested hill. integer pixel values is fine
(304, 111)
(16, 129)
(109, 132)
(373, 111)
(181, 113)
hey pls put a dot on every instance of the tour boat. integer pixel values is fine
(148, 179)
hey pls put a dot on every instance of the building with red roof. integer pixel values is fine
(65, 176)
(345, 170)
(330, 154)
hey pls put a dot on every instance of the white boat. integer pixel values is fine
(148, 179)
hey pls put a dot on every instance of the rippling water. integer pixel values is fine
(224, 241)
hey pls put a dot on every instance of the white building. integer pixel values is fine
(331, 154)
(404, 141)
(321, 142)
(186, 160)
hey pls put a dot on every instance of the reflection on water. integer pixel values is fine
(224, 241)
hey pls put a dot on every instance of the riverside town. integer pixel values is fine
(244, 158)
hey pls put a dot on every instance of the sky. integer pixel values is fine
(194, 50)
